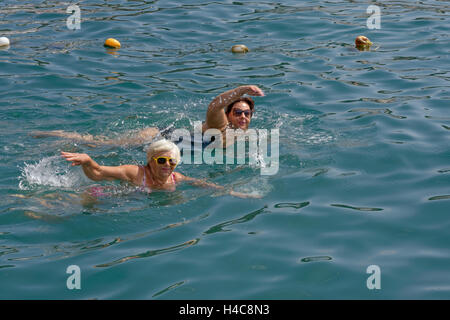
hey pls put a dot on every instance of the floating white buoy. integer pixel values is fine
(4, 41)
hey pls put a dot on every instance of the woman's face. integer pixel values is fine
(162, 167)
(240, 115)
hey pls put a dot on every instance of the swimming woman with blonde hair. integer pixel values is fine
(158, 174)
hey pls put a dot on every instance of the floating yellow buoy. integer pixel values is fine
(239, 48)
(112, 43)
(362, 43)
(4, 41)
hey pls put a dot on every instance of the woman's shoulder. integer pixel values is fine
(134, 173)
(178, 176)
(132, 168)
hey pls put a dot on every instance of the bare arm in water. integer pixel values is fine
(144, 136)
(206, 184)
(96, 172)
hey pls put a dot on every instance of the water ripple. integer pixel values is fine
(315, 259)
(171, 287)
(292, 205)
(248, 217)
(443, 197)
(356, 208)
(150, 253)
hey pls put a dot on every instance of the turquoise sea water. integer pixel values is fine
(364, 150)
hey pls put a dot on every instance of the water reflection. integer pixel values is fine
(315, 259)
(150, 253)
(248, 217)
(171, 287)
(356, 208)
(292, 205)
(444, 197)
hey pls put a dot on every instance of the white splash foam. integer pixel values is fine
(258, 186)
(50, 171)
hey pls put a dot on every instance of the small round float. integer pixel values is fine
(239, 48)
(112, 43)
(362, 43)
(4, 41)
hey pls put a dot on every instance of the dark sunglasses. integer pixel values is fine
(163, 160)
(237, 113)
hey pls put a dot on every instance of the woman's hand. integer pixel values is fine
(253, 91)
(76, 158)
(245, 195)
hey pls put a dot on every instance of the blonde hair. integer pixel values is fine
(161, 146)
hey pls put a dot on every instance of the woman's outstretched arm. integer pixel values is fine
(96, 172)
(205, 184)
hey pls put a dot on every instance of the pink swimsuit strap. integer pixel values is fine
(144, 183)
